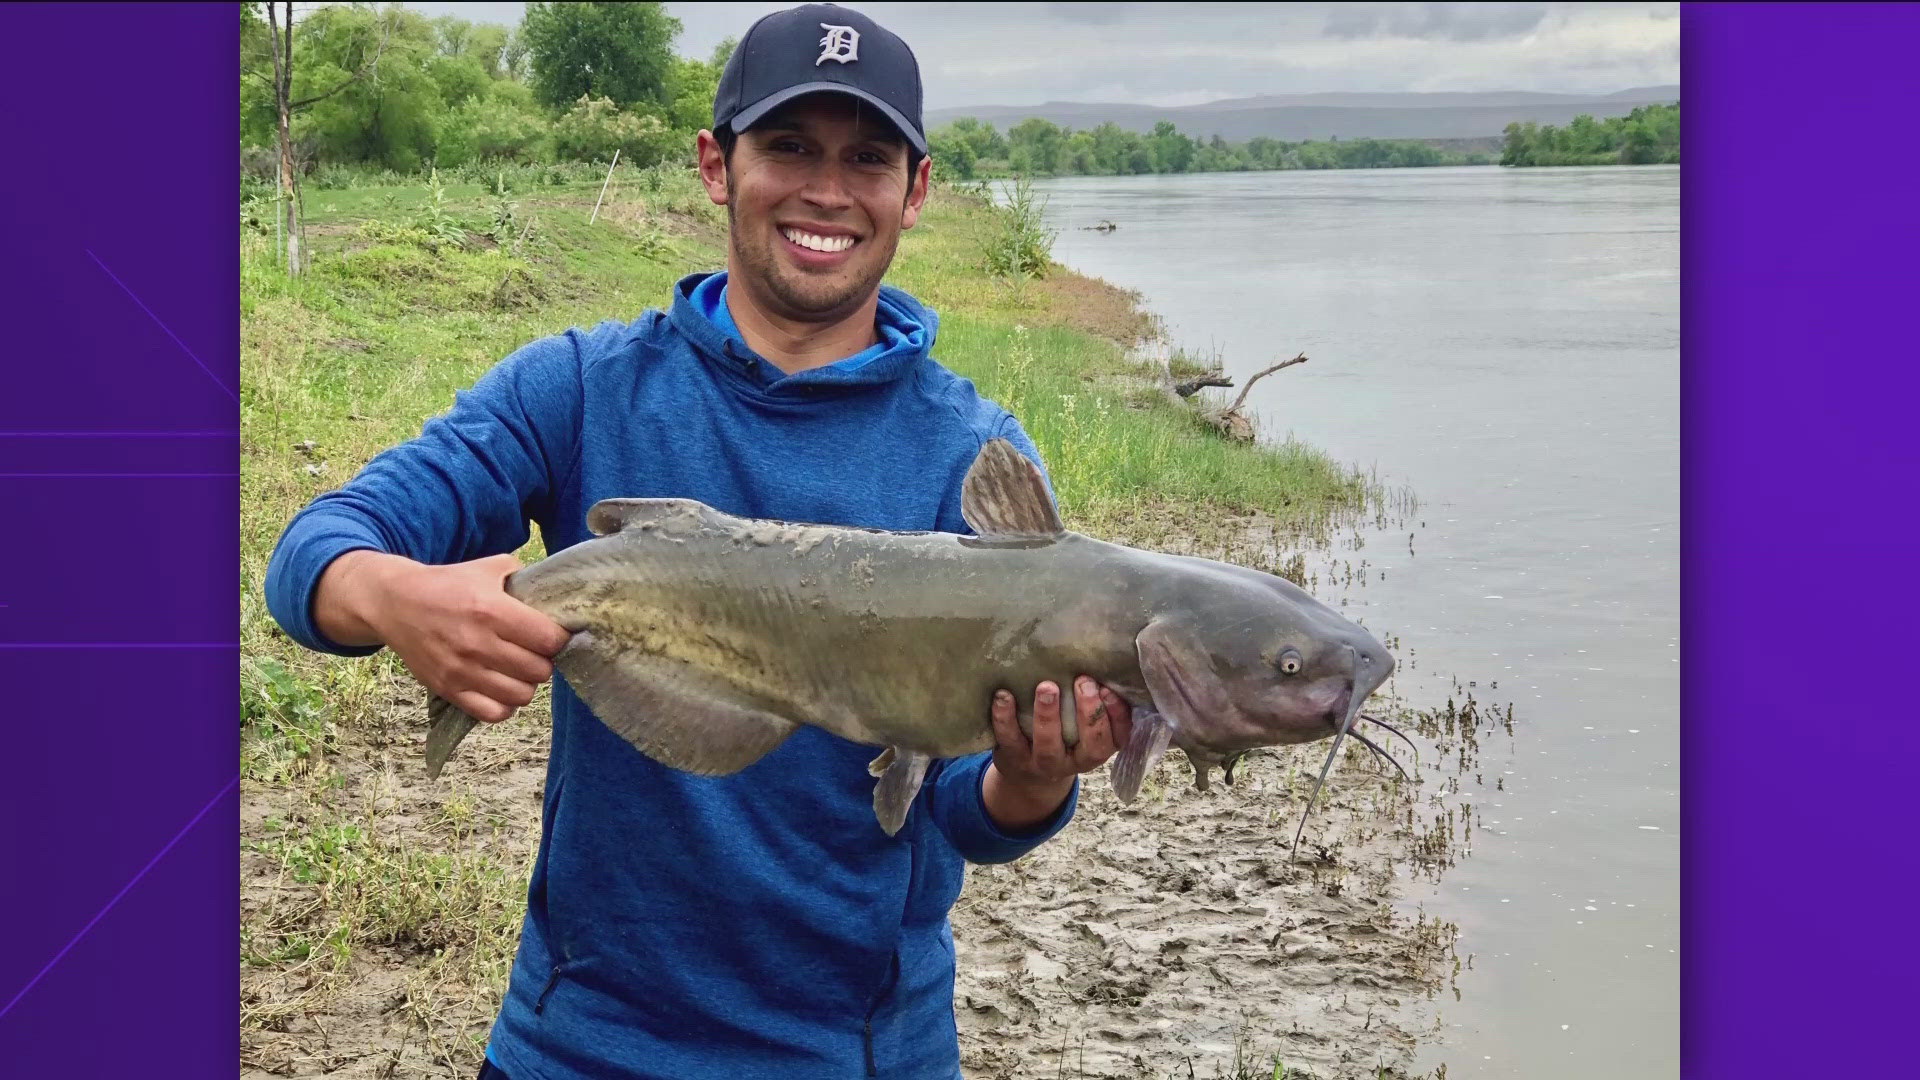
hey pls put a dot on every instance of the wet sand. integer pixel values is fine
(1175, 933)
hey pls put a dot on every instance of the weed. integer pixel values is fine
(1020, 246)
(437, 220)
(284, 719)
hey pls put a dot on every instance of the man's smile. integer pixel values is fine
(818, 246)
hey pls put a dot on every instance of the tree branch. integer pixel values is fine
(370, 67)
(1237, 402)
(1193, 386)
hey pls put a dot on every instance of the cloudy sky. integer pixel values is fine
(1186, 54)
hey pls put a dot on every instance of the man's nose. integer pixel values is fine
(827, 187)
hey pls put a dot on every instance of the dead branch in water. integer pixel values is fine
(1257, 376)
(1236, 425)
(1193, 386)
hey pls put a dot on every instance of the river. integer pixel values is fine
(1505, 342)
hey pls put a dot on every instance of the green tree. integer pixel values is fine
(386, 118)
(621, 52)
(952, 154)
(1172, 151)
(502, 124)
(1041, 139)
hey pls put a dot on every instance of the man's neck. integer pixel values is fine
(793, 345)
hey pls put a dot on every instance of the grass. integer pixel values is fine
(414, 290)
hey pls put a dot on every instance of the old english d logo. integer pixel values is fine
(842, 43)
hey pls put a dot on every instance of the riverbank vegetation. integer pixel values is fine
(1649, 135)
(968, 149)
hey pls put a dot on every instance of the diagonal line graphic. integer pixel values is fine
(161, 325)
(151, 863)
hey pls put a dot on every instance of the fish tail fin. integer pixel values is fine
(450, 724)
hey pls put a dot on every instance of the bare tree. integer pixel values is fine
(286, 106)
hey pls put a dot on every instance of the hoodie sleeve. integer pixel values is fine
(958, 804)
(959, 808)
(464, 489)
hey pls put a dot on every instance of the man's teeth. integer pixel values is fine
(818, 243)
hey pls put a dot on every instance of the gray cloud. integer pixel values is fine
(1189, 53)
(1435, 22)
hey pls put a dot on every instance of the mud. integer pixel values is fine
(1175, 933)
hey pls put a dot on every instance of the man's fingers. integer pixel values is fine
(513, 620)
(1006, 720)
(1049, 754)
(520, 664)
(531, 630)
(1119, 717)
(508, 692)
(479, 706)
(1096, 740)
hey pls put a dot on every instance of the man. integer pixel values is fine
(761, 924)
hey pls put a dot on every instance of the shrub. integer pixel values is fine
(594, 128)
(1021, 246)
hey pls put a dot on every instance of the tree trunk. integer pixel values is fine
(283, 95)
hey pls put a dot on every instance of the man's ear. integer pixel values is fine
(713, 166)
(917, 192)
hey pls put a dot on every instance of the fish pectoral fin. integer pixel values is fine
(671, 711)
(1179, 676)
(609, 516)
(899, 783)
(1004, 495)
(1151, 734)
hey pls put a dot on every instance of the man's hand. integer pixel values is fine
(1030, 777)
(454, 626)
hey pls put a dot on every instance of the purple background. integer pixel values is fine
(118, 814)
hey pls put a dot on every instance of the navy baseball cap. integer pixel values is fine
(820, 47)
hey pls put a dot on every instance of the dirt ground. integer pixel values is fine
(1169, 938)
(1176, 933)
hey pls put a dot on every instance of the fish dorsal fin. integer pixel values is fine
(1005, 496)
(609, 516)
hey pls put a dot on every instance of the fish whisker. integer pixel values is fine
(1395, 730)
(1381, 754)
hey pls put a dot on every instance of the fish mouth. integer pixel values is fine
(1365, 666)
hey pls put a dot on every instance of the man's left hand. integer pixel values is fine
(1031, 776)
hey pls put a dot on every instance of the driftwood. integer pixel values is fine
(1231, 421)
(1193, 386)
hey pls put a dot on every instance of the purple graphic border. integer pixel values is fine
(119, 817)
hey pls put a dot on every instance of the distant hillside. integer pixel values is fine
(1333, 115)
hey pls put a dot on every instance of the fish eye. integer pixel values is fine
(1290, 662)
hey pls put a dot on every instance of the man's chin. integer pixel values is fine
(821, 294)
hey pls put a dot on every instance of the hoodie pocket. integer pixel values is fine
(539, 892)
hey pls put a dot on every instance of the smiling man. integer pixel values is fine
(760, 924)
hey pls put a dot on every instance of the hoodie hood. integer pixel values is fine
(906, 330)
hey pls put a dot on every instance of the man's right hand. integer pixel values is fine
(454, 626)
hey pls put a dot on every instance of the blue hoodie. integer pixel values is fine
(677, 926)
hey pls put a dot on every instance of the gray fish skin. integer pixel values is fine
(900, 639)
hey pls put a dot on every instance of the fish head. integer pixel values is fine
(1254, 661)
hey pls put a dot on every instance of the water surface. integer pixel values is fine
(1506, 343)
